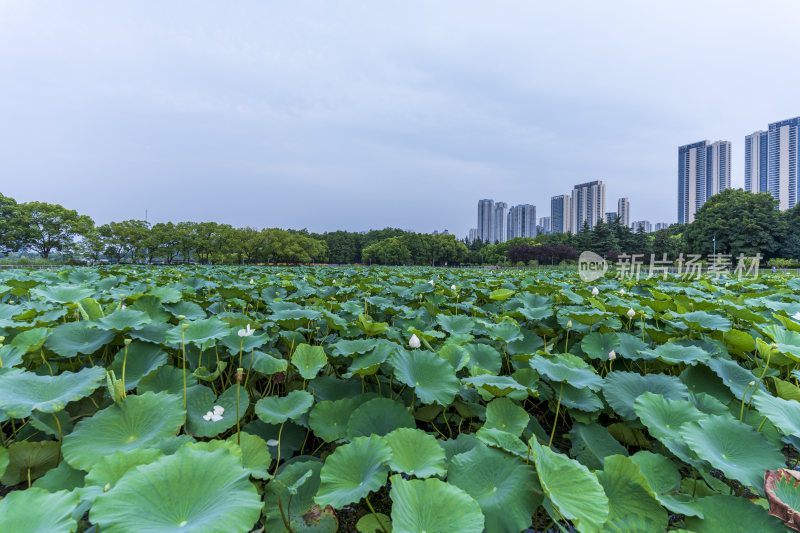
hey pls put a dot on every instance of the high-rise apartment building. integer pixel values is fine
(486, 220)
(522, 221)
(783, 161)
(755, 162)
(624, 211)
(610, 217)
(544, 225)
(644, 224)
(473, 235)
(500, 221)
(560, 218)
(588, 204)
(704, 169)
(661, 225)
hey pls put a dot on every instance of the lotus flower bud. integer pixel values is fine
(569, 324)
(453, 287)
(595, 291)
(127, 342)
(184, 326)
(431, 282)
(612, 355)
(181, 317)
(107, 487)
(414, 341)
(272, 442)
(751, 383)
(631, 313)
(622, 292)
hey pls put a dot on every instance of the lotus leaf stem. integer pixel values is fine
(555, 421)
(383, 528)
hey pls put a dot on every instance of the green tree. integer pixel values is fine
(391, 251)
(13, 228)
(52, 227)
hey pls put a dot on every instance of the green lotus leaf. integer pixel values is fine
(432, 378)
(630, 346)
(580, 399)
(506, 488)
(485, 357)
(11, 355)
(200, 332)
(504, 414)
(664, 418)
(630, 499)
(155, 333)
(380, 417)
(354, 470)
(664, 481)
(173, 494)
(279, 409)
(3, 460)
(571, 488)
(29, 460)
(23, 392)
(49, 422)
(123, 320)
(736, 378)
(167, 295)
(255, 454)
(456, 355)
(298, 481)
(201, 400)
(141, 421)
(110, 469)
(265, 364)
(142, 359)
(675, 353)
(190, 310)
(350, 347)
(496, 385)
(592, 443)
(328, 419)
(62, 477)
(562, 368)
(151, 306)
(506, 331)
(461, 444)
(701, 320)
(732, 514)
(622, 388)
(456, 324)
(374, 523)
(734, 448)
(785, 414)
(29, 341)
(501, 294)
(503, 440)
(38, 511)
(63, 294)
(599, 345)
(309, 360)
(433, 506)
(416, 453)
(72, 338)
(165, 378)
(369, 363)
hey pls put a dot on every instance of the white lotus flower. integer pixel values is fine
(453, 287)
(595, 291)
(431, 282)
(631, 313)
(612, 355)
(213, 416)
(123, 306)
(622, 292)
(414, 341)
(218, 409)
(246, 332)
(252, 282)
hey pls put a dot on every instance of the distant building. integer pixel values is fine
(624, 211)
(544, 224)
(500, 221)
(661, 225)
(588, 204)
(756, 158)
(473, 235)
(522, 221)
(610, 217)
(486, 220)
(704, 169)
(645, 224)
(772, 161)
(560, 217)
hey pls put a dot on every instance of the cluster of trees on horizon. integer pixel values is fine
(737, 221)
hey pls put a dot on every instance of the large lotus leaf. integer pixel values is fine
(704, 320)
(369, 363)
(142, 421)
(785, 414)
(23, 392)
(503, 440)
(664, 418)
(165, 378)
(298, 481)
(675, 354)
(664, 481)
(29, 460)
(142, 359)
(155, 333)
(110, 469)
(433, 378)
(279, 409)
(72, 338)
(255, 454)
(506, 331)
(123, 320)
(496, 385)
(37, 511)
(485, 357)
(374, 523)
(173, 494)
(151, 306)
(63, 294)
(501, 294)
(416, 453)
(328, 419)
(62, 477)
(3, 460)
(592, 443)
(456, 324)
(200, 332)
(506, 488)
(11, 355)
(49, 422)
(736, 378)
(701, 379)
(630, 499)
(354, 470)
(630, 346)
(734, 448)
(580, 399)
(200, 400)
(190, 310)
(350, 347)
(167, 295)
(599, 345)
(309, 360)
(461, 444)
(264, 363)
(29, 341)
(572, 488)
(379, 417)
(622, 388)
(504, 414)
(732, 514)
(456, 355)
(433, 506)
(563, 368)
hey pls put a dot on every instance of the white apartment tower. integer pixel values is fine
(624, 211)
(588, 204)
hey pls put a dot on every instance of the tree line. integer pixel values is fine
(731, 222)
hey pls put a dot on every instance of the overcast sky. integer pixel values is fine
(355, 115)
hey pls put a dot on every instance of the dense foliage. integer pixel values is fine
(320, 399)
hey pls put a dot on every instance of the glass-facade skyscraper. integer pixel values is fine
(522, 221)
(755, 162)
(782, 162)
(704, 169)
(560, 214)
(486, 220)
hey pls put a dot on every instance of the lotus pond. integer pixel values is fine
(210, 399)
